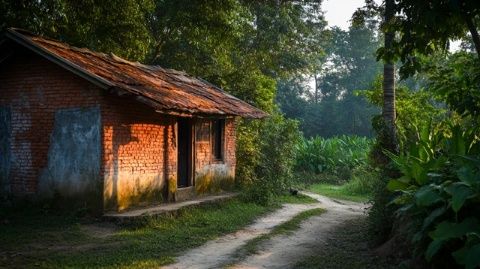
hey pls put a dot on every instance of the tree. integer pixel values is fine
(389, 137)
(333, 107)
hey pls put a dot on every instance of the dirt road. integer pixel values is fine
(282, 251)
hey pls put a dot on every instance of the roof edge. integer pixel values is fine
(13, 35)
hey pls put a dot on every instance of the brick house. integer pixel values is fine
(107, 133)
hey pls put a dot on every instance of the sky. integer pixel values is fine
(339, 12)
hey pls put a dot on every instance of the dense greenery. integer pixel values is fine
(437, 166)
(440, 187)
(337, 156)
(332, 108)
(338, 167)
(266, 159)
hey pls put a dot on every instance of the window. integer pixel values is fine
(202, 131)
(218, 137)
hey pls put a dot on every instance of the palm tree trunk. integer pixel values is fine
(389, 137)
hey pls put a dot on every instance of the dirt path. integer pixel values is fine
(281, 251)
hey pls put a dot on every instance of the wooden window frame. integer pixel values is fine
(215, 124)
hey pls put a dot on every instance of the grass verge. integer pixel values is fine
(338, 192)
(251, 247)
(31, 238)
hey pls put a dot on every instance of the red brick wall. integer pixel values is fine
(34, 89)
(139, 153)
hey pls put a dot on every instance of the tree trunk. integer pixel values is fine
(474, 33)
(389, 136)
(471, 25)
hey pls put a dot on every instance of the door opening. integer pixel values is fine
(185, 156)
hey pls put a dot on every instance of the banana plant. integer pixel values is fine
(440, 185)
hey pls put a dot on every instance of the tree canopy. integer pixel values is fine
(425, 27)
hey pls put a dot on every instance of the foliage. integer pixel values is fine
(265, 163)
(117, 26)
(363, 182)
(336, 156)
(350, 62)
(455, 80)
(360, 187)
(413, 107)
(439, 189)
(424, 28)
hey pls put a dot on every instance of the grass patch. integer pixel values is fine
(359, 188)
(347, 247)
(338, 192)
(33, 239)
(295, 199)
(251, 247)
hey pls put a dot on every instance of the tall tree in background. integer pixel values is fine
(333, 107)
(389, 137)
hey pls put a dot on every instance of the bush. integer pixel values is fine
(363, 182)
(266, 156)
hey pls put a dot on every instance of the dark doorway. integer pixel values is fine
(184, 153)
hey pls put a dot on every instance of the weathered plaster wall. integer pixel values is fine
(73, 168)
(213, 175)
(139, 154)
(5, 130)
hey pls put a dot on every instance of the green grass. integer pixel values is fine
(251, 247)
(32, 239)
(338, 192)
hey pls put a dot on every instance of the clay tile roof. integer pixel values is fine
(166, 90)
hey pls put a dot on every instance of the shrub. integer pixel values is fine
(266, 156)
(364, 181)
